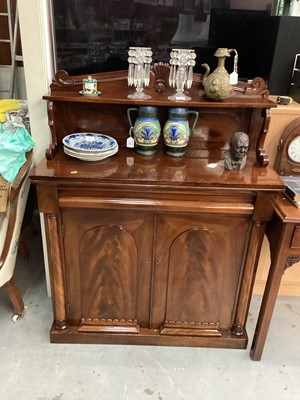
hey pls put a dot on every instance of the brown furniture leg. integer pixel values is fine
(266, 310)
(15, 297)
(283, 250)
(23, 247)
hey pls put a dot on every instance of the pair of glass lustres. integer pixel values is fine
(181, 62)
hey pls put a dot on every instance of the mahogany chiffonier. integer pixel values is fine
(154, 249)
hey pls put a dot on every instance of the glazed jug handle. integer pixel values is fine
(196, 115)
(128, 115)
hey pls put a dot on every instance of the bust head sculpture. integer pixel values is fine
(236, 156)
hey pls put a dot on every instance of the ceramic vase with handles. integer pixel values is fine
(177, 130)
(146, 129)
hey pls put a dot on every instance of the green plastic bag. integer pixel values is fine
(13, 148)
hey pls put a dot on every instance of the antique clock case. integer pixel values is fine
(288, 156)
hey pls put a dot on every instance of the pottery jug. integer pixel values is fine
(146, 129)
(177, 130)
(217, 85)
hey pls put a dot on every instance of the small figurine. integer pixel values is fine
(236, 156)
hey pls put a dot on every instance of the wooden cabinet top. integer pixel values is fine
(286, 210)
(202, 167)
(162, 171)
(114, 90)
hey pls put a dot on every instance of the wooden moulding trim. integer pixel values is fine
(62, 81)
(52, 149)
(192, 324)
(261, 156)
(158, 205)
(257, 87)
(190, 332)
(148, 336)
(191, 328)
(159, 80)
(108, 329)
(108, 321)
(108, 325)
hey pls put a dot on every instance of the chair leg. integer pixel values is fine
(33, 228)
(15, 297)
(23, 247)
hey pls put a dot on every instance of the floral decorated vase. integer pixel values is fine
(177, 130)
(146, 129)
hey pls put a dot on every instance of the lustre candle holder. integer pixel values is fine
(182, 62)
(139, 61)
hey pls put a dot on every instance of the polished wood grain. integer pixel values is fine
(189, 271)
(57, 271)
(254, 246)
(107, 113)
(154, 250)
(110, 274)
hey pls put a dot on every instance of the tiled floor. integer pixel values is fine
(33, 369)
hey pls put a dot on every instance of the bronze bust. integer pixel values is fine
(235, 158)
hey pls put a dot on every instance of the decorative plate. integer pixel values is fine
(89, 142)
(90, 94)
(90, 152)
(91, 156)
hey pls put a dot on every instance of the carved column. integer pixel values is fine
(257, 234)
(261, 156)
(57, 272)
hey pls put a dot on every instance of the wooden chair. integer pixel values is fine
(10, 227)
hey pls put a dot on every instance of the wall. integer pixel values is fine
(38, 66)
(39, 70)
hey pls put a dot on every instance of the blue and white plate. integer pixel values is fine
(89, 142)
(91, 156)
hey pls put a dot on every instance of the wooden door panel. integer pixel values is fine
(108, 274)
(108, 278)
(200, 258)
(193, 271)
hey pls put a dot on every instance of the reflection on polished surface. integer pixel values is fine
(128, 165)
(95, 36)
